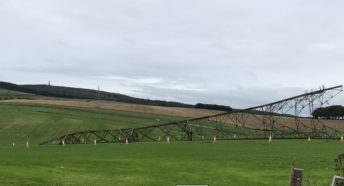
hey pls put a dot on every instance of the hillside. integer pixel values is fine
(81, 93)
(20, 123)
(61, 92)
(115, 106)
(37, 120)
(9, 94)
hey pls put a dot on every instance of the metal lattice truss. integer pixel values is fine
(282, 119)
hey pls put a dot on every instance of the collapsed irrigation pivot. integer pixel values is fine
(289, 118)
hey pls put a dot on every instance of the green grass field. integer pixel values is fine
(225, 163)
(35, 124)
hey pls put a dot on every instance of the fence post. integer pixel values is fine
(296, 178)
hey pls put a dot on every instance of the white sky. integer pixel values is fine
(238, 53)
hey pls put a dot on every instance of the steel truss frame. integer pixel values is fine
(259, 122)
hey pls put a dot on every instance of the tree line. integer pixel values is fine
(331, 112)
(213, 107)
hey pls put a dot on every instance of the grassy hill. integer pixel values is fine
(6, 94)
(81, 93)
(116, 106)
(53, 92)
(20, 123)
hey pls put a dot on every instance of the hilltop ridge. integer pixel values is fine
(82, 93)
(32, 91)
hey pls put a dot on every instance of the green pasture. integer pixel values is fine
(36, 124)
(225, 163)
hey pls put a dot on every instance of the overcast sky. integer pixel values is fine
(238, 53)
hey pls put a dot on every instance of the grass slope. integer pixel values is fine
(19, 123)
(82, 93)
(116, 106)
(9, 94)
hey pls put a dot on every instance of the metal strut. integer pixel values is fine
(287, 118)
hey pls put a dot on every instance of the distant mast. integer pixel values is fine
(98, 96)
(98, 93)
(49, 83)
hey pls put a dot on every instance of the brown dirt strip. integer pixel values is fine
(110, 105)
